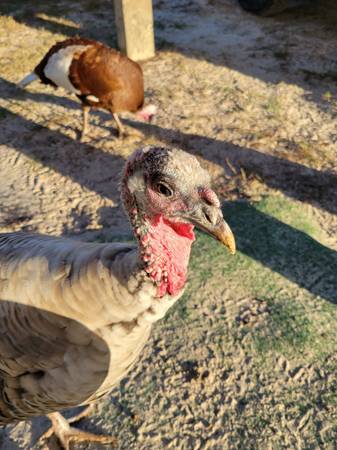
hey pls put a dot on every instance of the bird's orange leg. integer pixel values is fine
(120, 128)
(67, 434)
(85, 124)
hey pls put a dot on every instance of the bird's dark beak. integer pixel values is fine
(209, 218)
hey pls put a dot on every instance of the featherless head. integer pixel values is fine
(171, 183)
(147, 112)
(166, 193)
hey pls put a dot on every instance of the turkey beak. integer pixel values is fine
(224, 234)
(209, 219)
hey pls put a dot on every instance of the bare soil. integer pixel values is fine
(238, 364)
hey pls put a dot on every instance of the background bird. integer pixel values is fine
(74, 316)
(100, 76)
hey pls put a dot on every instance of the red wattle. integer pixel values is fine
(170, 246)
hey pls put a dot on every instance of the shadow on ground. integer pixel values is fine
(51, 15)
(266, 48)
(66, 156)
(284, 249)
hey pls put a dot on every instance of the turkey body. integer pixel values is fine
(100, 76)
(74, 317)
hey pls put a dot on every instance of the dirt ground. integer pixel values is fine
(256, 100)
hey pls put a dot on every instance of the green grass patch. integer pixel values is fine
(287, 329)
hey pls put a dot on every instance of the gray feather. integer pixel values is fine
(73, 319)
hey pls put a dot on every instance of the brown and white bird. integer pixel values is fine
(75, 316)
(100, 76)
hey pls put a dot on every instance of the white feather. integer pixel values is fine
(57, 68)
(92, 98)
(28, 79)
(150, 109)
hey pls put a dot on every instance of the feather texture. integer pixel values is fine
(58, 65)
(73, 319)
(100, 76)
(89, 68)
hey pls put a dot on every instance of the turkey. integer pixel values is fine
(100, 76)
(75, 316)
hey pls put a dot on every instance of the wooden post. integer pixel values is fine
(134, 23)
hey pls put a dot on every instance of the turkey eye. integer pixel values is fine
(164, 190)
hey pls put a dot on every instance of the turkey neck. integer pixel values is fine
(165, 248)
(164, 245)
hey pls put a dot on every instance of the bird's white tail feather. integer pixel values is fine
(28, 79)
